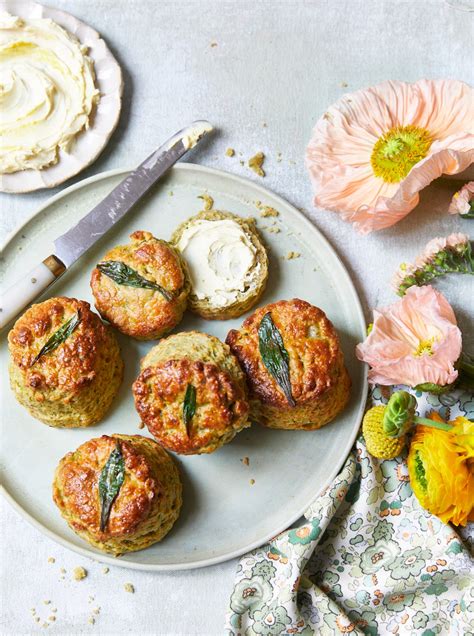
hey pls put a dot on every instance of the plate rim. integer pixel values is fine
(170, 567)
(60, 16)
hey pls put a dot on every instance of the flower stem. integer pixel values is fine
(425, 421)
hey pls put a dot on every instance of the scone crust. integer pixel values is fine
(74, 384)
(221, 406)
(144, 314)
(319, 381)
(203, 307)
(148, 502)
(221, 397)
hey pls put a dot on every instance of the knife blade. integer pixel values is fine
(69, 247)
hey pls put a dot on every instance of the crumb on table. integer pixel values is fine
(255, 163)
(79, 573)
(230, 152)
(105, 570)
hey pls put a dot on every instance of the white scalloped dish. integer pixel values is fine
(88, 143)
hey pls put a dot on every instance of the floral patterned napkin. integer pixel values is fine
(368, 559)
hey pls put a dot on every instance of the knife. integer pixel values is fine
(69, 247)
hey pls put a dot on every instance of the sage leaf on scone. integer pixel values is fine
(110, 481)
(58, 337)
(189, 405)
(122, 274)
(274, 355)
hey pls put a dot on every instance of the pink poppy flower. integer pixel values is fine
(374, 150)
(414, 341)
(461, 203)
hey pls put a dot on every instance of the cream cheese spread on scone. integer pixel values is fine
(221, 259)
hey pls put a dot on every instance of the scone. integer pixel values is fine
(294, 365)
(191, 393)
(120, 493)
(141, 288)
(65, 363)
(227, 263)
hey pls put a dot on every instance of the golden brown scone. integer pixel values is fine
(227, 263)
(147, 503)
(200, 361)
(144, 314)
(74, 384)
(320, 384)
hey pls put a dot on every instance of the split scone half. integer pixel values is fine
(227, 263)
(65, 364)
(294, 365)
(141, 288)
(191, 393)
(120, 493)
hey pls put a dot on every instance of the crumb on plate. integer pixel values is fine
(267, 211)
(128, 587)
(208, 201)
(292, 255)
(230, 152)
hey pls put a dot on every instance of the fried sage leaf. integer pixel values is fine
(274, 355)
(58, 337)
(122, 274)
(189, 405)
(110, 481)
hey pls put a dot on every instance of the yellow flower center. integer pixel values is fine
(398, 150)
(424, 346)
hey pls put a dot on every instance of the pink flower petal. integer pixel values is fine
(461, 201)
(423, 315)
(339, 152)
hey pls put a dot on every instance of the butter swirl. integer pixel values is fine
(47, 92)
(221, 258)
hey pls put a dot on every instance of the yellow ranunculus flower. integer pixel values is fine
(440, 474)
(464, 432)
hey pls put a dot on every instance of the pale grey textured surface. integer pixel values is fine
(279, 63)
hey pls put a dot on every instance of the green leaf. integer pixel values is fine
(274, 355)
(110, 481)
(189, 405)
(122, 274)
(58, 337)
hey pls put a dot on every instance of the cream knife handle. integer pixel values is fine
(24, 291)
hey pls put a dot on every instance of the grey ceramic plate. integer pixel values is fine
(223, 515)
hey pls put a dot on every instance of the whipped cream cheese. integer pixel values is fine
(47, 92)
(221, 258)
